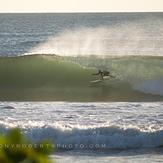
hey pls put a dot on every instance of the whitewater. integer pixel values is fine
(87, 129)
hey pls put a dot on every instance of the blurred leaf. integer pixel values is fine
(13, 151)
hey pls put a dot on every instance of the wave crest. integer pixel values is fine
(110, 137)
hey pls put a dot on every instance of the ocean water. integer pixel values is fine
(47, 88)
(82, 34)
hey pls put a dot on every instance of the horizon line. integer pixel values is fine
(80, 12)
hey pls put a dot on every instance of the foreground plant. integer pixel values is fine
(15, 148)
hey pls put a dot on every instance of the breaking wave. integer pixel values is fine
(50, 77)
(111, 137)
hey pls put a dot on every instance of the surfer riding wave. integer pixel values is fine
(103, 74)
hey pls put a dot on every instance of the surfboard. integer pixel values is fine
(104, 79)
(100, 80)
(96, 81)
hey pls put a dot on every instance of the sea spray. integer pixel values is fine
(118, 40)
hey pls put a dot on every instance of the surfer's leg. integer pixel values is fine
(102, 77)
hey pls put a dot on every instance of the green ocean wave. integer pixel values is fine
(49, 77)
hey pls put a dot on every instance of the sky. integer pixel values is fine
(80, 5)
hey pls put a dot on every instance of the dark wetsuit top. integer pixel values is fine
(103, 73)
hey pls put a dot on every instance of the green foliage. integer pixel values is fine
(14, 148)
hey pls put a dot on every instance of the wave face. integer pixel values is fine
(144, 74)
(48, 77)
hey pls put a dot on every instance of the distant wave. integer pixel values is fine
(105, 138)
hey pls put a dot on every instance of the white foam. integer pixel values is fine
(154, 87)
(120, 125)
(105, 138)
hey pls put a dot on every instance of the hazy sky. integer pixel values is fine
(80, 5)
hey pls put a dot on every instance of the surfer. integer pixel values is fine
(103, 74)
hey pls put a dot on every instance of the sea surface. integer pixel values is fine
(47, 88)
